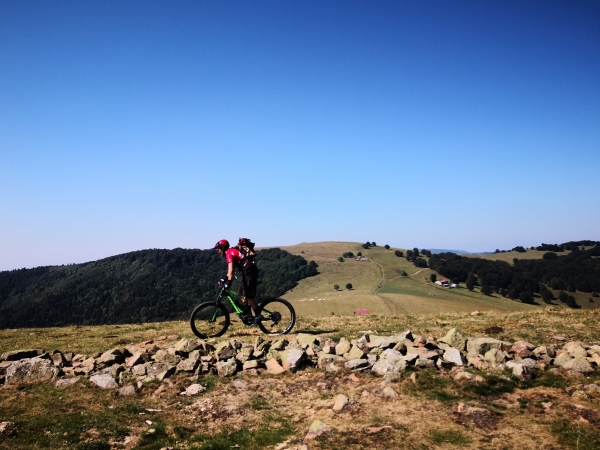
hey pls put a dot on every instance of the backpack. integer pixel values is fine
(246, 248)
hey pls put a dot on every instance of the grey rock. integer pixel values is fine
(194, 389)
(455, 339)
(578, 365)
(354, 364)
(245, 354)
(425, 363)
(31, 370)
(354, 353)
(188, 365)
(165, 357)
(104, 381)
(454, 356)
(251, 364)
(494, 356)
(185, 346)
(8, 428)
(340, 401)
(226, 368)
(389, 392)
(306, 340)
(113, 356)
(390, 361)
(343, 347)
(562, 358)
(480, 346)
(317, 428)
(66, 382)
(292, 359)
(160, 371)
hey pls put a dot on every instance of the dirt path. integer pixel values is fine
(388, 306)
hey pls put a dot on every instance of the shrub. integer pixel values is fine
(550, 255)
(387, 247)
(433, 277)
(349, 286)
(403, 273)
(486, 289)
(348, 255)
(526, 297)
(340, 259)
(420, 262)
(399, 254)
(359, 254)
(336, 286)
(595, 294)
(519, 248)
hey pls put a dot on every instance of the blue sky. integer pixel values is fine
(131, 125)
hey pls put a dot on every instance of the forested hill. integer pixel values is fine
(141, 286)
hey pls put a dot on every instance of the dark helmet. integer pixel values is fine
(223, 244)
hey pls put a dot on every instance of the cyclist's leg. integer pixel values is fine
(248, 285)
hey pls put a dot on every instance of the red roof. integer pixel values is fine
(362, 312)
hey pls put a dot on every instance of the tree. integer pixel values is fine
(409, 255)
(486, 289)
(420, 262)
(340, 259)
(433, 277)
(470, 283)
(399, 254)
(336, 286)
(403, 273)
(519, 248)
(359, 254)
(416, 252)
(348, 255)
(526, 297)
(366, 246)
(374, 244)
(550, 255)
(387, 247)
(349, 286)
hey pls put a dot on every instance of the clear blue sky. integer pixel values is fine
(437, 124)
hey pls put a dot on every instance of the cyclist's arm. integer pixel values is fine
(230, 270)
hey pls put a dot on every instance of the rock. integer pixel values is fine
(274, 367)
(343, 347)
(519, 370)
(7, 428)
(58, 359)
(245, 354)
(455, 339)
(104, 381)
(424, 363)
(390, 361)
(127, 391)
(193, 389)
(575, 349)
(522, 349)
(33, 370)
(562, 358)
(454, 356)
(382, 342)
(317, 428)
(354, 364)
(580, 395)
(389, 392)
(188, 365)
(113, 356)
(163, 356)
(251, 364)
(224, 351)
(464, 376)
(306, 340)
(226, 368)
(494, 356)
(186, 346)
(595, 359)
(17, 355)
(65, 382)
(292, 359)
(340, 401)
(137, 358)
(580, 365)
(480, 346)
(354, 353)
(160, 370)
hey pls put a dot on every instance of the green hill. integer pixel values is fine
(142, 286)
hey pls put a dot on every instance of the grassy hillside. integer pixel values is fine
(379, 286)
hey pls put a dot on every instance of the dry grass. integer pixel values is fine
(274, 409)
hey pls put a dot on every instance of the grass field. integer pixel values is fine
(272, 410)
(379, 286)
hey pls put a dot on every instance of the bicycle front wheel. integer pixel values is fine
(279, 316)
(209, 320)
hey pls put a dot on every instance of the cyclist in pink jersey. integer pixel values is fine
(249, 280)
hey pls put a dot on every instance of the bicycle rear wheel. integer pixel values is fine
(279, 316)
(209, 319)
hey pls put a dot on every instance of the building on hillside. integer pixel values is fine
(443, 282)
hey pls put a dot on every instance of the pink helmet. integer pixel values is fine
(223, 244)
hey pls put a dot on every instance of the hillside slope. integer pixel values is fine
(378, 285)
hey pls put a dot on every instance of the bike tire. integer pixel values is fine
(279, 316)
(209, 320)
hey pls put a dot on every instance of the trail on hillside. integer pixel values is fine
(386, 303)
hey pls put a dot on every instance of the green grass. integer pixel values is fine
(274, 431)
(576, 435)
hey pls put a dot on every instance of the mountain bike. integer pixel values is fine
(211, 319)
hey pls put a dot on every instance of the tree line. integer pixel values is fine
(577, 271)
(141, 286)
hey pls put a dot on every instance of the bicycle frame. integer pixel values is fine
(234, 298)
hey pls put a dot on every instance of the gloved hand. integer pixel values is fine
(225, 283)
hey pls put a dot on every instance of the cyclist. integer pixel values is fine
(249, 281)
